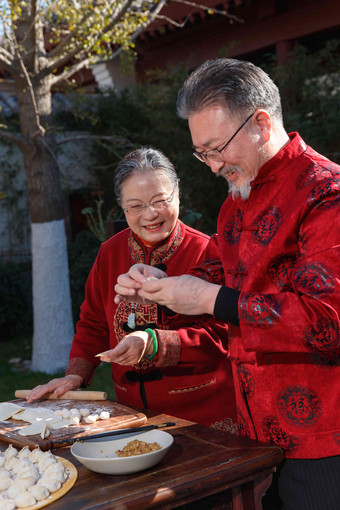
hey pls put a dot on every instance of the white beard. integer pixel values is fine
(242, 191)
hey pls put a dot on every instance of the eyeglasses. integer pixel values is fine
(216, 154)
(157, 205)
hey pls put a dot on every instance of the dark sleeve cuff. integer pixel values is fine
(226, 305)
(167, 311)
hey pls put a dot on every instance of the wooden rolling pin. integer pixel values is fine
(69, 395)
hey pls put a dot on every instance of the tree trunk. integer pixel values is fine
(53, 325)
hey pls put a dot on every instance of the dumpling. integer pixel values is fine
(28, 476)
(52, 485)
(5, 482)
(11, 462)
(35, 455)
(56, 471)
(39, 492)
(65, 413)
(11, 452)
(24, 453)
(75, 420)
(20, 465)
(104, 415)
(45, 460)
(24, 499)
(4, 472)
(6, 504)
(84, 412)
(92, 418)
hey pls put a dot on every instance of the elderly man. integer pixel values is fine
(279, 239)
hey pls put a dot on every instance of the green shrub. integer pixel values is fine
(15, 299)
(82, 253)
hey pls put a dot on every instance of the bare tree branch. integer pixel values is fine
(136, 34)
(11, 138)
(70, 71)
(8, 65)
(209, 9)
(30, 87)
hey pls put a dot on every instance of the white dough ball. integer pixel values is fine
(104, 415)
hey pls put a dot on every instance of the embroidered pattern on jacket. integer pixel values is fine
(268, 223)
(193, 388)
(274, 434)
(232, 229)
(280, 270)
(259, 310)
(226, 425)
(313, 279)
(323, 339)
(299, 405)
(159, 253)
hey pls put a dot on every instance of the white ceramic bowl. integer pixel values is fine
(99, 454)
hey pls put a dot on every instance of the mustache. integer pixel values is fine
(231, 168)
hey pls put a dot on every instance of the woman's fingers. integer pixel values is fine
(57, 386)
(129, 351)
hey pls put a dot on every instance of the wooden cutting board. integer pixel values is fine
(121, 417)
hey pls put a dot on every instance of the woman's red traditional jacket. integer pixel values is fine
(192, 378)
(281, 249)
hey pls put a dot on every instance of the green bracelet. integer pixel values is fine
(155, 343)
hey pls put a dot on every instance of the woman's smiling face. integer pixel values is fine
(142, 188)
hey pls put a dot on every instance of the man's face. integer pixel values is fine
(240, 161)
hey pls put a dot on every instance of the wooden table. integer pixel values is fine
(201, 462)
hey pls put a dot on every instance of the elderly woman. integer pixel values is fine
(167, 363)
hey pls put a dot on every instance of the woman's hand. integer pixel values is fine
(130, 350)
(128, 284)
(57, 386)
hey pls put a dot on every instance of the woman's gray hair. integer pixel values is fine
(144, 160)
(239, 86)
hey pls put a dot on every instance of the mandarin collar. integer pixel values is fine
(294, 148)
(158, 252)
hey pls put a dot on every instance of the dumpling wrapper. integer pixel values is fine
(36, 414)
(8, 409)
(38, 427)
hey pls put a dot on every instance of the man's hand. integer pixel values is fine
(129, 284)
(183, 294)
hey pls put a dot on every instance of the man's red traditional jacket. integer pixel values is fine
(281, 250)
(192, 377)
